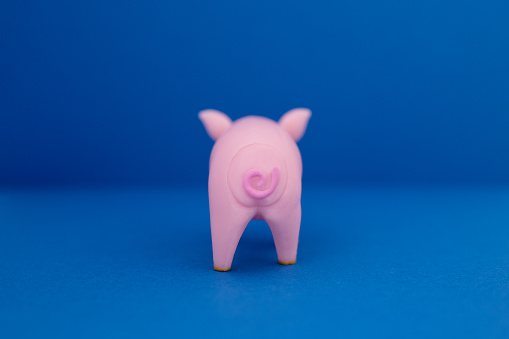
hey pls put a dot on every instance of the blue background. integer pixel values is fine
(103, 167)
(109, 91)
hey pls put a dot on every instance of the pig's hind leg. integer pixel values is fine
(285, 230)
(227, 228)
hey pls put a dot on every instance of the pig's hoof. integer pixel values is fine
(287, 262)
(222, 269)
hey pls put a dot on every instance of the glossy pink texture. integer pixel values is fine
(254, 192)
(255, 173)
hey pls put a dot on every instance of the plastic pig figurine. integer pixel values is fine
(255, 173)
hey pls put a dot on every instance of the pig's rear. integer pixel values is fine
(257, 175)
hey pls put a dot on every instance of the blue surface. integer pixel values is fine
(108, 91)
(385, 262)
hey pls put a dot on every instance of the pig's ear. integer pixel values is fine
(215, 122)
(295, 121)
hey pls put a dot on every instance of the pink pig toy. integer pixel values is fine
(255, 173)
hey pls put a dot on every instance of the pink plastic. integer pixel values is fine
(255, 173)
(254, 192)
